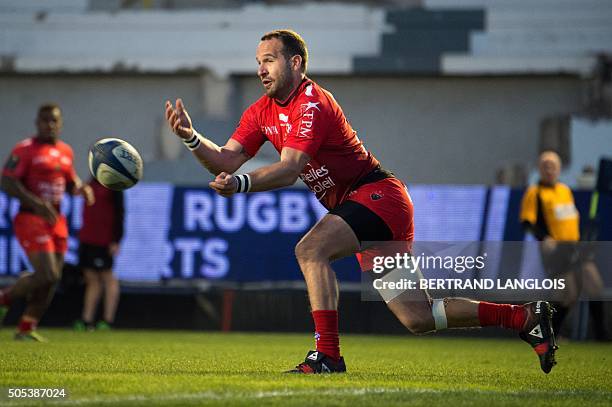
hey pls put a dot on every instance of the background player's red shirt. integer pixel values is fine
(45, 169)
(103, 221)
(310, 121)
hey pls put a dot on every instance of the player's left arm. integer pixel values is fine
(75, 186)
(278, 175)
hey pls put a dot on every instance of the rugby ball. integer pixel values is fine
(115, 163)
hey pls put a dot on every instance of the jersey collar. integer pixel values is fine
(297, 90)
(37, 140)
(540, 183)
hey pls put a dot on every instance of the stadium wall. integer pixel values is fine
(426, 129)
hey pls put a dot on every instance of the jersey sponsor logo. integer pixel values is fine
(42, 239)
(41, 159)
(285, 125)
(317, 179)
(314, 174)
(52, 191)
(12, 162)
(565, 211)
(308, 113)
(310, 105)
(270, 130)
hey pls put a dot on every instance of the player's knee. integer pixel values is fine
(90, 278)
(42, 279)
(308, 251)
(418, 325)
(52, 278)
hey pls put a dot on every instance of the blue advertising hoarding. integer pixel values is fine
(177, 232)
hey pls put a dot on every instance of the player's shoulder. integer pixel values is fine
(563, 187)
(531, 190)
(24, 146)
(312, 96)
(311, 91)
(63, 147)
(256, 108)
(25, 143)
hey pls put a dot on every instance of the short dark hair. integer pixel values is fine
(47, 107)
(293, 44)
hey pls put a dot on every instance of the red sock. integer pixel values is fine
(504, 315)
(5, 299)
(26, 325)
(326, 333)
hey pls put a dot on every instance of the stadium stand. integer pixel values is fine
(451, 37)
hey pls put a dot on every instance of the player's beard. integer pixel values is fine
(281, 85)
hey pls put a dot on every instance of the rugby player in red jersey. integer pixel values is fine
(38, 172)
(366, 203)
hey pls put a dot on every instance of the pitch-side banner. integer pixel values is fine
(191, 233)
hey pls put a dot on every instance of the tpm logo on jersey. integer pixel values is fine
(310, 105)
(308, 112)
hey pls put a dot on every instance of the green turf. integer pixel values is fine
(187, 368)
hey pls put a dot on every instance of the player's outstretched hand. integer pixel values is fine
(224, 184)
(178, 119)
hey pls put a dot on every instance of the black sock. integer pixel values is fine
(596, 309)
(559, 317)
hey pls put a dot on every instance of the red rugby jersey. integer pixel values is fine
(45, 169)
(310, 121)
(103, 221)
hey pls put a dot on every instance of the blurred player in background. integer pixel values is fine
(549, 213)
(366, 203)
(38, 172)
(99, 238)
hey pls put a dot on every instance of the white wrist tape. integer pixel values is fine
(438, 311)
(244, 182)
(193, 142)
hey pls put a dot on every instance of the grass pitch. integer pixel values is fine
(144, 368)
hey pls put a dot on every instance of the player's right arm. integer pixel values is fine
(214, 158)
(11, 183)
(529, 214)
